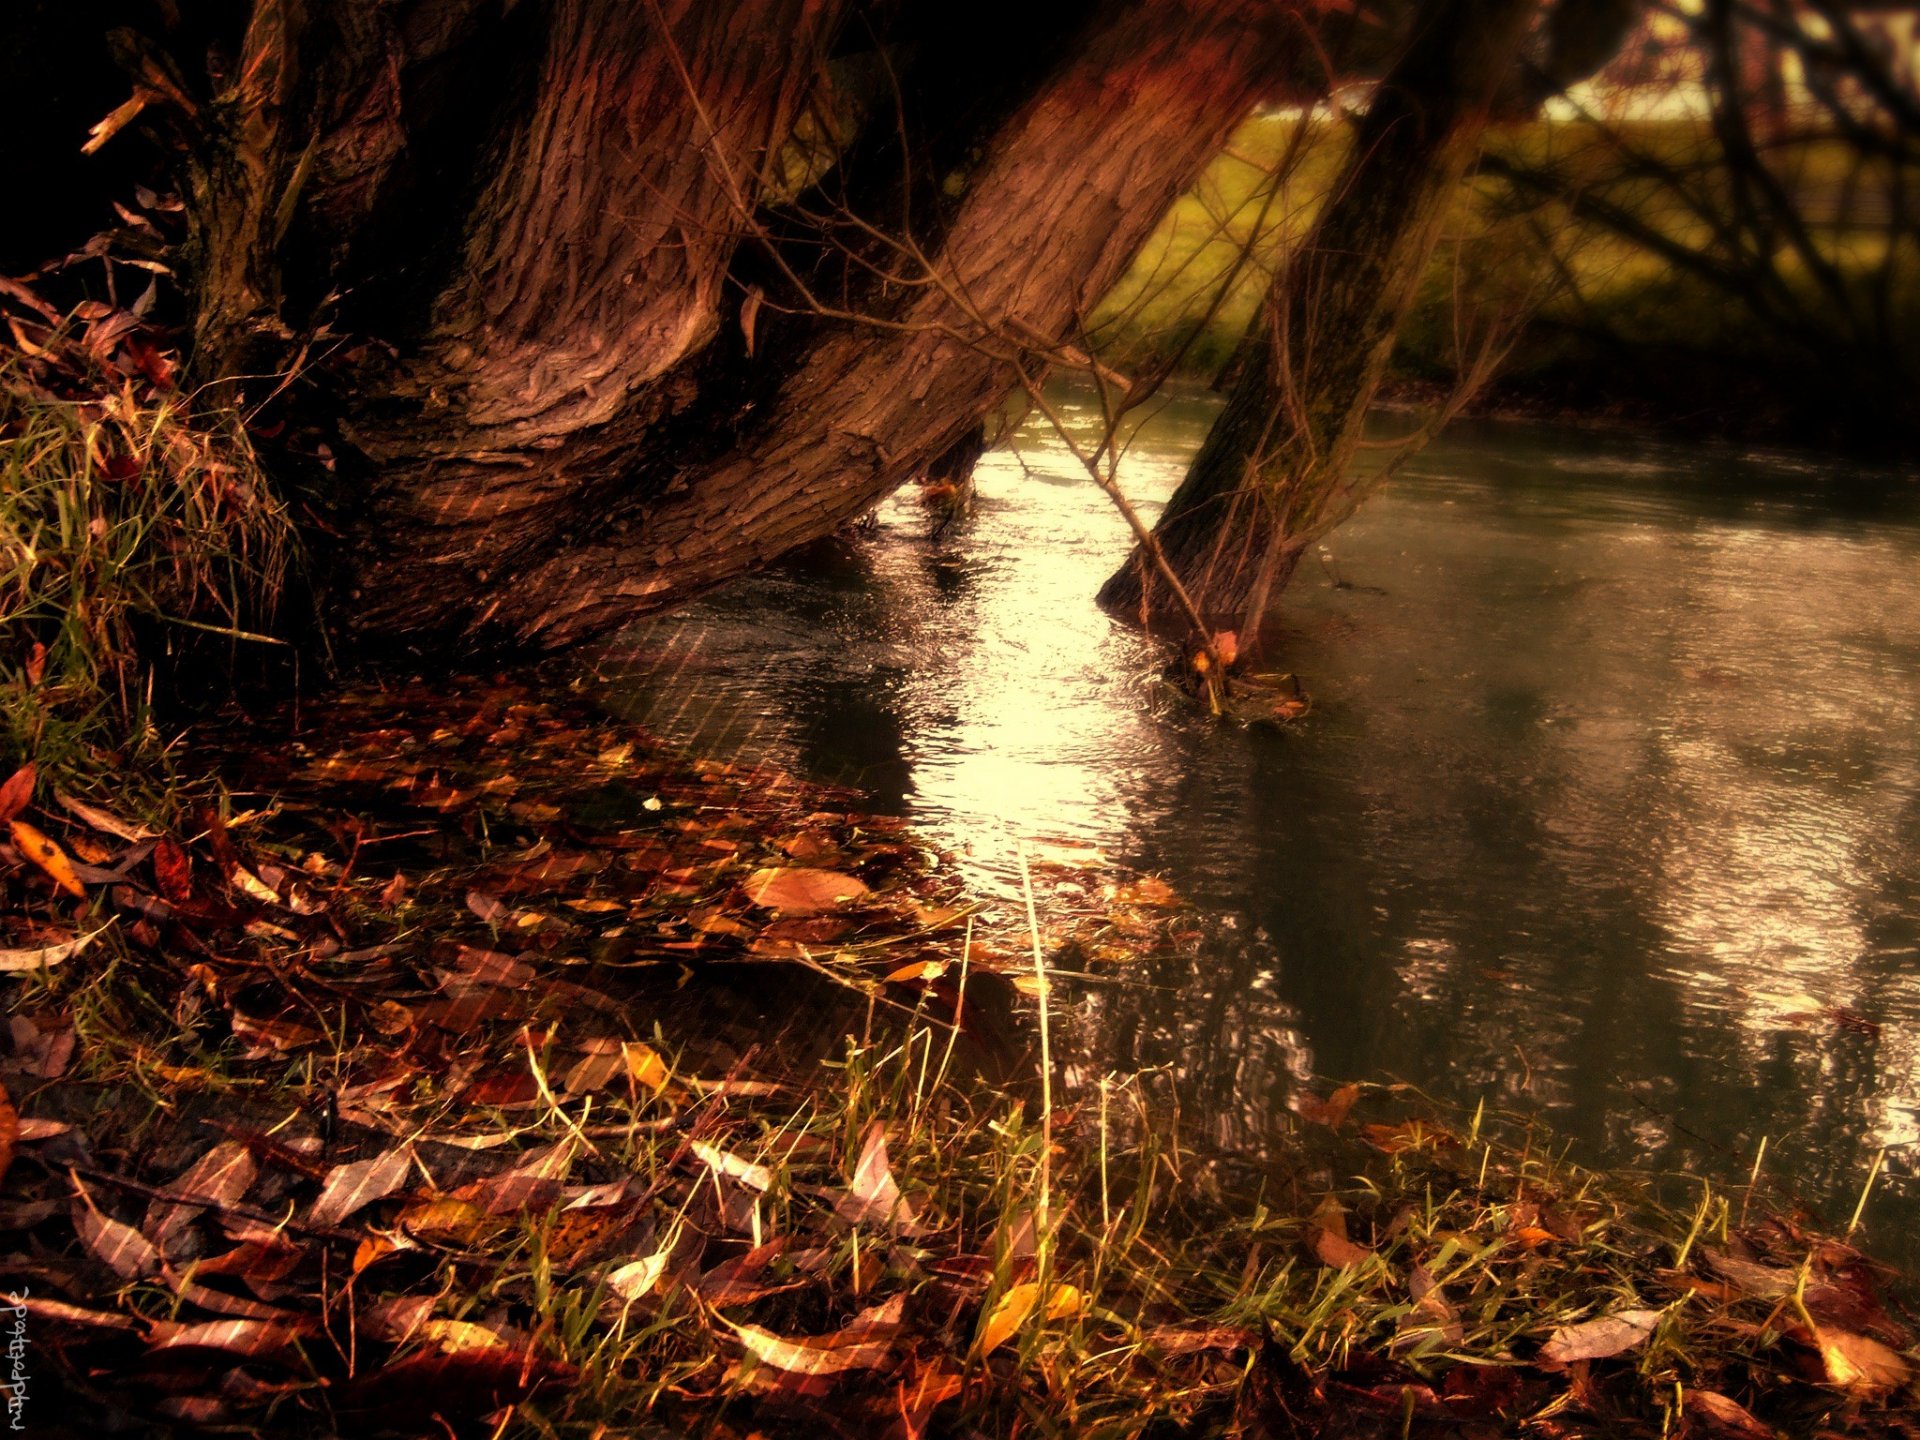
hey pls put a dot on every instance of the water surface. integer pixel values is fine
(1608, 804)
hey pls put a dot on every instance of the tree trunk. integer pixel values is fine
(1063, 197)
(1275, 471)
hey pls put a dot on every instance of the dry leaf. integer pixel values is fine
(1329, 1112)
(1609, 1335)
(222, 1175)
(798, 890)
(1015, 1306)
(358, 1184)
(1725, 1418)
(17, 792)
(874, 1198)
(757, 1177)
(855, 1349)
(43, 956)
(1857, 1363)
(127, 1252)
(9, 1130)
(48, 856)
(103, 821)
(638, 1277)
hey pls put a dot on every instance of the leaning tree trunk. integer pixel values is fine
(1065, 194)
(1275, 470)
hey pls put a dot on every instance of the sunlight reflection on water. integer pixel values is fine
(1609, 802)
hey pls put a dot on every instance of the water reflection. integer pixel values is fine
(1609, 803)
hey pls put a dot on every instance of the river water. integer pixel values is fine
(1608, 806)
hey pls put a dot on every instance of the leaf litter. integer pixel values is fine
(479, 1063)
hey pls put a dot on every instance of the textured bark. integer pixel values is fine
(1058, 206)
(1275, 471)
(593, 265)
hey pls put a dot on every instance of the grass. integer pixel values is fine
(638, 1187)
(134, 527)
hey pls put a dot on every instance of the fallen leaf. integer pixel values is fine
(919, 970)
(1723, 1417)
(1330, 1112)
(48, 856)
(1013, 1309)
(1609, 1335)
(1860, 1364)
(17, 792)
(222, 1176)
(9, 1130)
(757, 1177)
(799, 890)
(816, 1355)
(127, 1252)
(646, 1067)
(103, 821)
(874, 1198)
(45, 955)
(638, 1277)
(255, 1339)
(359, 1183)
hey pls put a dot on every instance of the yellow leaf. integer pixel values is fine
(1014, 1308)
(646, 1067)
(921, 970)
(48, 856)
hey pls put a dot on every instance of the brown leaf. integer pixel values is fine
(1609, 1335)
(127, 1252)
(1330, 1112)
(48, 856)
(1724, 1418)
(17, 792)
(360, 1183)
(9, 1130)
(222, 1176)
(255, 1339)
(799, 890)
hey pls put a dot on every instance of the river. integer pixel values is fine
(1608, 805)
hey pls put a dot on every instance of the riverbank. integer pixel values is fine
(475, 1057)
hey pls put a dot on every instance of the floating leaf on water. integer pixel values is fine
(255, 1339)
(799, 890)
(919, 970)
(1599, 1339)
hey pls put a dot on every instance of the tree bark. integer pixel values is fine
(592, 266)
(1064, 196)
(1275, 471)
